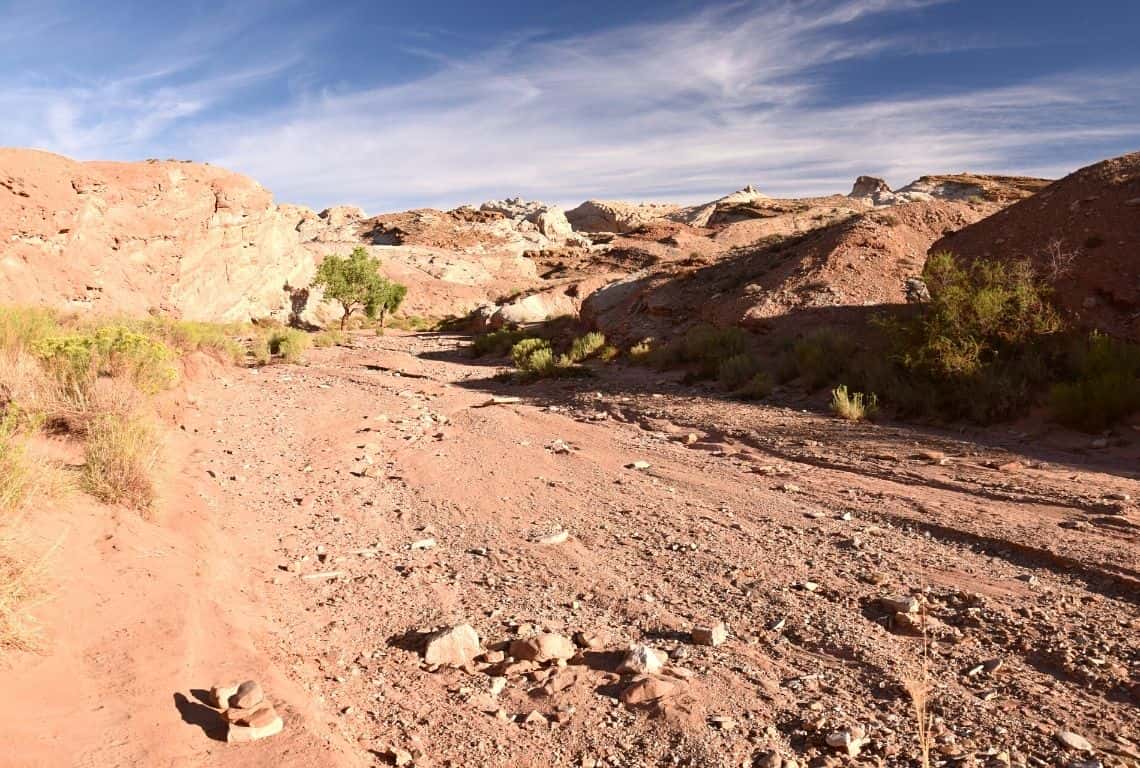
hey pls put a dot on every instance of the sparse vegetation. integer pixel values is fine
(819, 357)
(641, 352)
(756, 388)
(737, 370)
(855, 406)
(330, 337)
(289, 344)
(355, 282)
(497, 342)
(120, 453)
(982, 348)
(533, 356)
(1105, 385)
(76, 359)
(585, 347)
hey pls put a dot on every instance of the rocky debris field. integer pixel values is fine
(627, 571)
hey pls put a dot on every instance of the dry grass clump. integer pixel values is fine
(289, 344)
(585, 347)
(917, 688)
(853, 406)
(330, 337)
(21, 573)
(120, 454)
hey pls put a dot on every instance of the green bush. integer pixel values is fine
(288, 343)
(586, 346)
(218, 339)
(533, 356)
(75, 360)
(259, 349)
(329, 338)
(708, 346)
(820, 357)
(735, 371)
(496, 343)
(982, 348)
(20, 327)
(1106, 386)
(756, 388)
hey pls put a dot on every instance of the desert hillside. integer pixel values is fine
(758, 482)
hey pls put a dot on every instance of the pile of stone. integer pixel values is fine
(249, 714)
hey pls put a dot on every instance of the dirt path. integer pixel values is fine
(313, 482)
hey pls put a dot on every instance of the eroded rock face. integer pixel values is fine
(865, 186)
(186, 239)
(615, 216)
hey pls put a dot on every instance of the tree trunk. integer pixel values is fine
(344, 317)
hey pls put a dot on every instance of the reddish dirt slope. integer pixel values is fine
(1084, 233)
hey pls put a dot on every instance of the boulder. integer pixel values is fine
(455, 646)
(542, 648)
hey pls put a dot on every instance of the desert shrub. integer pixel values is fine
(120, 453)
(415, 323)
(1105, 385)
(217, 339)
(586, 346)
(756, 388)
(982, 348)
(641, 352)
(708, 346)
(853, 406)
(20, 327)
(13, 472)
(733, 372)
(496, 343)
(76, 359)
(259, 349)
(608, 353)
(329, 338)
(289, 344)
(533, 355)
(820, 357)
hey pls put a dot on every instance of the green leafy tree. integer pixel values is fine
(356, 283)
(388, 300)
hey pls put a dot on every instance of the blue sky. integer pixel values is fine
(392, 105)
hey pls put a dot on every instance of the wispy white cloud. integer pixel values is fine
(677, 109)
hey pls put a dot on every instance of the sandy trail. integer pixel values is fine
(285, 554)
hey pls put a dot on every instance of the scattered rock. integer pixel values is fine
(248, 694)
(454, 646)
(561, 537)
(638, 465)
(592, 639)
(907, 624)
(263, 723)
(900, 603)
(1074, 741)
(714, 635)
(423, 544)
(851, 740)
(648, 688)
(641, 659)
(543, 648)
(220, 695)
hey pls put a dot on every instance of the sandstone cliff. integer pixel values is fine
(185, 239)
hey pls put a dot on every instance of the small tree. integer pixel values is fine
(388, 300)
(356, 283)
